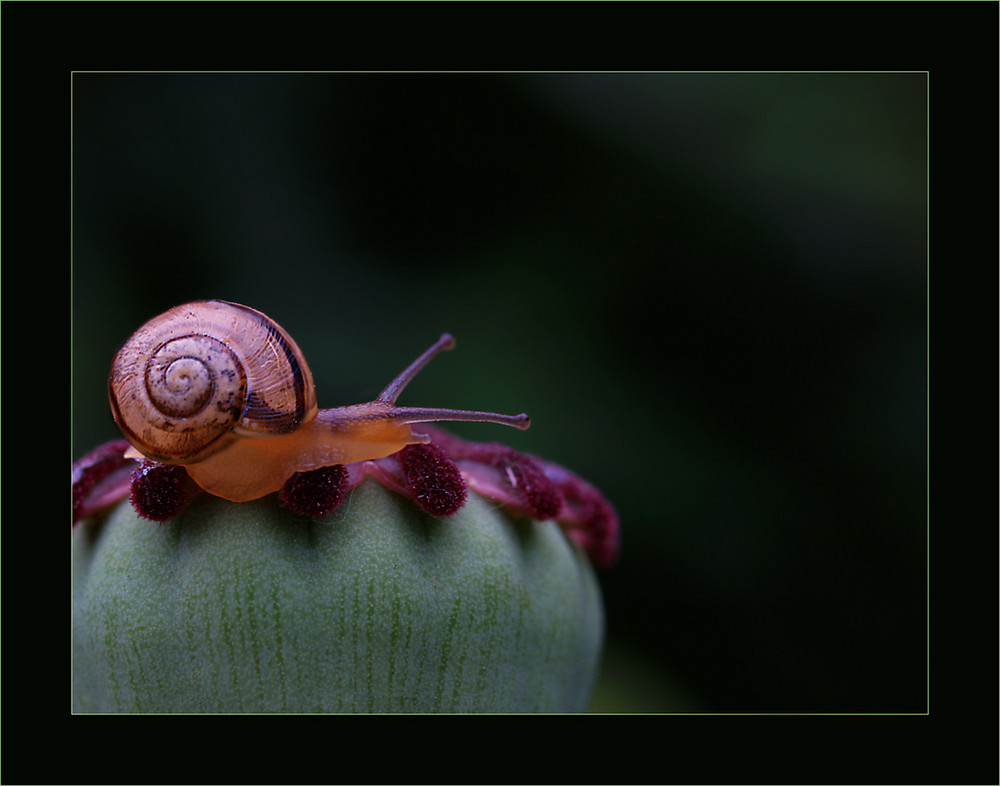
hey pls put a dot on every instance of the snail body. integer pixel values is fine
(225, 391)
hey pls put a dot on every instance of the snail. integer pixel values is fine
(224, 391)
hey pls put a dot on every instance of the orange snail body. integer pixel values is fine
(223, 390)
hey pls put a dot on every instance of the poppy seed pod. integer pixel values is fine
(377, 607)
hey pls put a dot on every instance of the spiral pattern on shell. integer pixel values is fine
(192, 378)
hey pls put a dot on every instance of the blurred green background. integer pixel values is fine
(708, 290)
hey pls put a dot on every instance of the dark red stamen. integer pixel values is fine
(433, 479)
(540, 493)
(541, 488)
(598, 533)
(521, 472)
(100, 478)
(315, 493)
(161, 491)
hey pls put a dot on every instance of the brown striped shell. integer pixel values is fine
(192, 379)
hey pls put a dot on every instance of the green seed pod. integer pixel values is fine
(379, 607)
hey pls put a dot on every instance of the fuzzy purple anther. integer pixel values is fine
(315, 493)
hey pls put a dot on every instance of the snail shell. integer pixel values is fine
(196, 377)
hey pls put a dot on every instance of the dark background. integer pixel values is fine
(708, 290)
